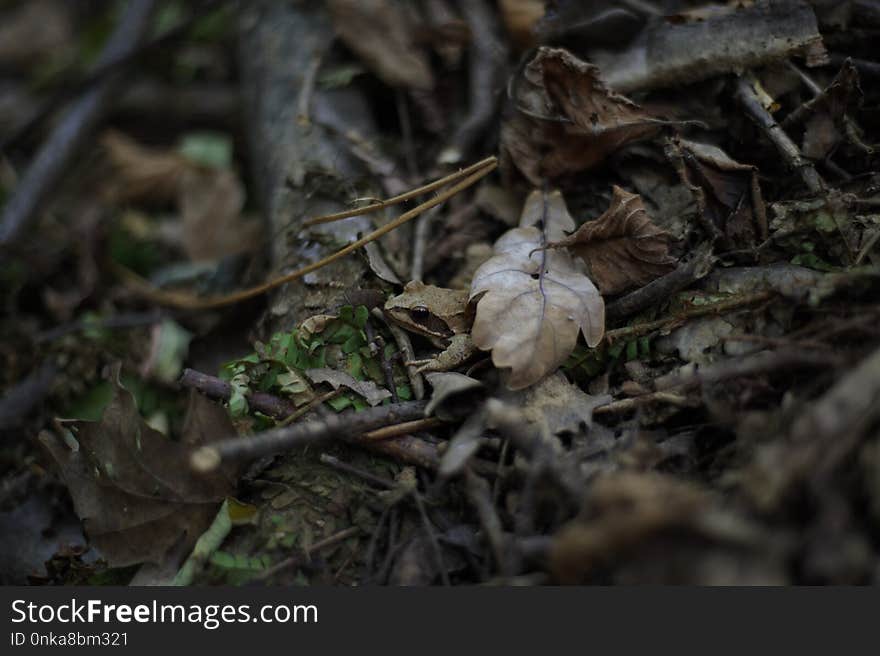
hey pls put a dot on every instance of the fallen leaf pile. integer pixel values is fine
(643, 238)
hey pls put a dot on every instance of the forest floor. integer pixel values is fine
(470, 292)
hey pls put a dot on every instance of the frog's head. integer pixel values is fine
(427, 310)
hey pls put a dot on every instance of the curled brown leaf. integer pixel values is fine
(622, 248)
(727, 193)
(565, 119)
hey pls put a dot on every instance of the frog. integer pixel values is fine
(443, 316)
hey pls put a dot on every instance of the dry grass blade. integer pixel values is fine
(424, 189)
(190, 302)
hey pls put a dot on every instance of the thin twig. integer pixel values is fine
(487, 57)
(697, 311)
(404, 345)
(405, 428)
(662, 288)
(336, 463)
(120, 321)
(786, 147)
(219, 390)
(304, 102)
(432, 537)
(306, 554)
(480, 496)
(341, 426)
(311, 405)
(370, 558)
(188, 301)
(67, 90)
(420, 242)
(400, 198)
(750, 365)
(625, 405)
(406, 132)
(387, 368)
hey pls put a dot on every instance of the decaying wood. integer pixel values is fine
(300, 170)
(670, 54)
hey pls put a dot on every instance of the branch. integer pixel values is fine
(786, 147)
(347, 426)
(219, 390)
(662, 288)
(734, 303)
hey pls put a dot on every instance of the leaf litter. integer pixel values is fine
(672, 280)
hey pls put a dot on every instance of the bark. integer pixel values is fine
(301, 167)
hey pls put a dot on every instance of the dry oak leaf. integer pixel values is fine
(565, 120)
(622, 248)
(534, 301)
(132, 486)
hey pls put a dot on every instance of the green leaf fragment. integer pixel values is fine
(212, 149)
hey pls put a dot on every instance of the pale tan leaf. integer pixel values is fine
(622, 248)
(534, 301)
(566, 119)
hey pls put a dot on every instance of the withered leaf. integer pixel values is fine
(825, 127)
(559, 407)
(379, 32)
(622, 248)
(448, 387)
(565, 119)
(209, 201)
(534, 301)
(727, 193)
(142, 173)
(210, 204)
(132, 486)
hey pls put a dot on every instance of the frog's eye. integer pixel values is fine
(420, 313)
